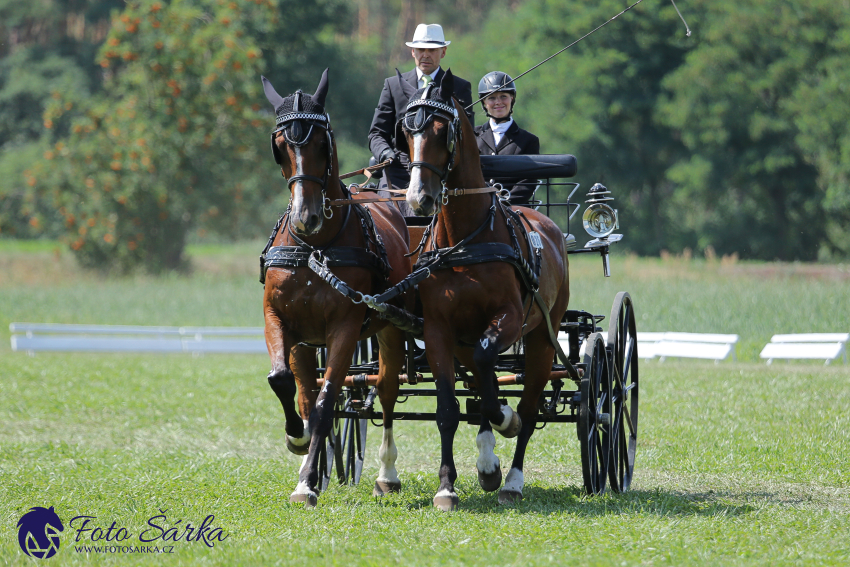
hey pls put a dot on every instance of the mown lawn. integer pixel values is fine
(738, 463)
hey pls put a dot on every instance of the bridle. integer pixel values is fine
(297, 127)
(419, 113)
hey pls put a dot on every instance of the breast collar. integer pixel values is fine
(297, 256)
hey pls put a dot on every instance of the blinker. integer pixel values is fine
(295, 131)
(419, 120)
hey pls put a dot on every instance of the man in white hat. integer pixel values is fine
(427, 48)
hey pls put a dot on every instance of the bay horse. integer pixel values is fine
(365, 246)
(474, 311)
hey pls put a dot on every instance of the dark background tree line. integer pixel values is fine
(128, 128)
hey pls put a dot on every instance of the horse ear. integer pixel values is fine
(322, 90)
(406, 87)
(271, 94)
(447, 85)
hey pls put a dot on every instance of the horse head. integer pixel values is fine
(430, 133)
(303, 145)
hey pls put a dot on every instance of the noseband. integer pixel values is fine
(297, 127)
(420, 112)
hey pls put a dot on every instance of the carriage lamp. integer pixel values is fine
(599, 221)
(599, 218)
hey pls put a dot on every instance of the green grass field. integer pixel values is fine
(738, 463)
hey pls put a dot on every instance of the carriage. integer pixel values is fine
(603, 402)
(511, 280)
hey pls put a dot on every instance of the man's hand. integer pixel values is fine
(387, 155)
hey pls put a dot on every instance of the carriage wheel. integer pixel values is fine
(334, 449)
(344, 451)
(594, 419)
(353, 449)
(622, 341)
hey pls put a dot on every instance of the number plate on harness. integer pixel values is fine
(535, 240)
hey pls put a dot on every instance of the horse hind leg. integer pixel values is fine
(539, 354)
(391, 358)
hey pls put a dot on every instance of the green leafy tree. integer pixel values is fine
(596, 100)
(173, 142)
(45, 46)
(759, 105)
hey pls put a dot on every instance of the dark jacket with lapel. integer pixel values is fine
(515, 141)
(391, 107)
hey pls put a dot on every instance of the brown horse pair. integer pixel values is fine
(471, 312)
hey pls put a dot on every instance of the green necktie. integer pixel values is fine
(425, 80)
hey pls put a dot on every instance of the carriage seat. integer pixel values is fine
(540, 166)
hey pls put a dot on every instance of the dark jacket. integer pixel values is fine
(515, 141)
(391, 107)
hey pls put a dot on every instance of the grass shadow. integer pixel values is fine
(573, 500)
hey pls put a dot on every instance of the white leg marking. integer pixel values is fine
(487, 462)
(444, 492)
(507, 412)
(303, 463)
(305, 437)
(387, 455)
(302, 488)
(514, 481)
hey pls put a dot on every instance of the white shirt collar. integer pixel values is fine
(419, 74)
(502, 127)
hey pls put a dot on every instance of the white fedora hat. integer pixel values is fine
(428, 36)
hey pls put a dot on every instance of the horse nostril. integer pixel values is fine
(312, 222)
(426, 202)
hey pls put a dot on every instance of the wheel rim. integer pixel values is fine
(594, 425)
(622, 342)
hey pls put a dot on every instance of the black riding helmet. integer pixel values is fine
(496, 81)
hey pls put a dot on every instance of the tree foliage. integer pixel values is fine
(172, 143)
(125, 133)
(756, 105)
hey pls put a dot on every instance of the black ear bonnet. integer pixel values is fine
(425, 104)
(297, 114)
(296, 118)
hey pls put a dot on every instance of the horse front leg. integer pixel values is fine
(439, 350)
(539, 354)
(488, 464)
(341, 344)
(391, 358)
(502, 331)
(282, 382)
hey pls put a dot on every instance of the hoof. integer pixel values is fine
(513, 428)
(297, 449)
(509, 497)
(490, 482)
(309, 500)
(447, 502)
(383, 487)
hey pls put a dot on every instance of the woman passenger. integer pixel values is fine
(501, 135)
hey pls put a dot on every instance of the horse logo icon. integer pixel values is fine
(38, 532)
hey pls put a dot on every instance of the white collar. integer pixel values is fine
(419, 73)
(502, 127)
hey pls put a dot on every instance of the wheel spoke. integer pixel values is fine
(627, 360)
(632, 427)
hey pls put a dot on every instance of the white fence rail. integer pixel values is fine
(33, 337)
(823, 346)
